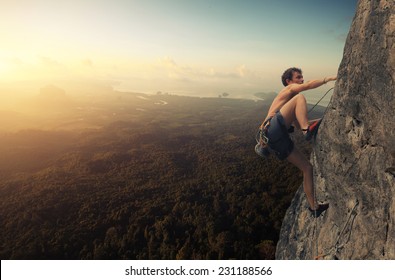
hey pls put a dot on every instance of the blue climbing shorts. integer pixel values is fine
(279, 140)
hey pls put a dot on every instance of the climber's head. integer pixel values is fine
(292, 75)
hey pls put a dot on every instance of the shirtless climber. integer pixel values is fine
(290, 107)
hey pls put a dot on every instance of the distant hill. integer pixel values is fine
(13, 121)
(267, 96)
(52, 97)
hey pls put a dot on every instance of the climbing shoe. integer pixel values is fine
(312, 130)
(321, 208)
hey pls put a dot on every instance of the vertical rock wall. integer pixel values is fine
(354, 155)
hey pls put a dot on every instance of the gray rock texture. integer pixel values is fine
(354, 155)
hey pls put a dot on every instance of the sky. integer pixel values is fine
(199, 48)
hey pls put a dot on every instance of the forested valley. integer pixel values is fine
(132, 176)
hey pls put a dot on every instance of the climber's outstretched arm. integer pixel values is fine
(296, 88)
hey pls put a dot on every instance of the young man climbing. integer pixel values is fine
(290, 107)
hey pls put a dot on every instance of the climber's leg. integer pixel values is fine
(299, 160)
(295, 109)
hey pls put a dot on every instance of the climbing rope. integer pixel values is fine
(316, 221)
(315, 231)
(320, 101)
(337, 247)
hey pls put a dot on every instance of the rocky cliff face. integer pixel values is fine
(354, 155)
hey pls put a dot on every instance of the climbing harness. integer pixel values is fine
(262, 142)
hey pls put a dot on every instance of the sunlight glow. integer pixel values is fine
(153, 45)
(3, 68)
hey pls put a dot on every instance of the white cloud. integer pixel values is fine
(87, 62)
(168, 62)
(242, 71)
(181, 72)
(49, 62)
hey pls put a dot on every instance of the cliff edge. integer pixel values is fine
(354, 154)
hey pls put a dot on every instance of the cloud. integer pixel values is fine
(341, 37)
(168, 62)
(49, 62)
(223, 75)
(188, 73)
(87, 62)
(15, 61)
(243, 71)
(340, 30)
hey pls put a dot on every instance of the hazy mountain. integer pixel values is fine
(267, 96)
(52, 98)
(13, 121)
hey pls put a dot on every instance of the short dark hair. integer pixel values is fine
(287, 75)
